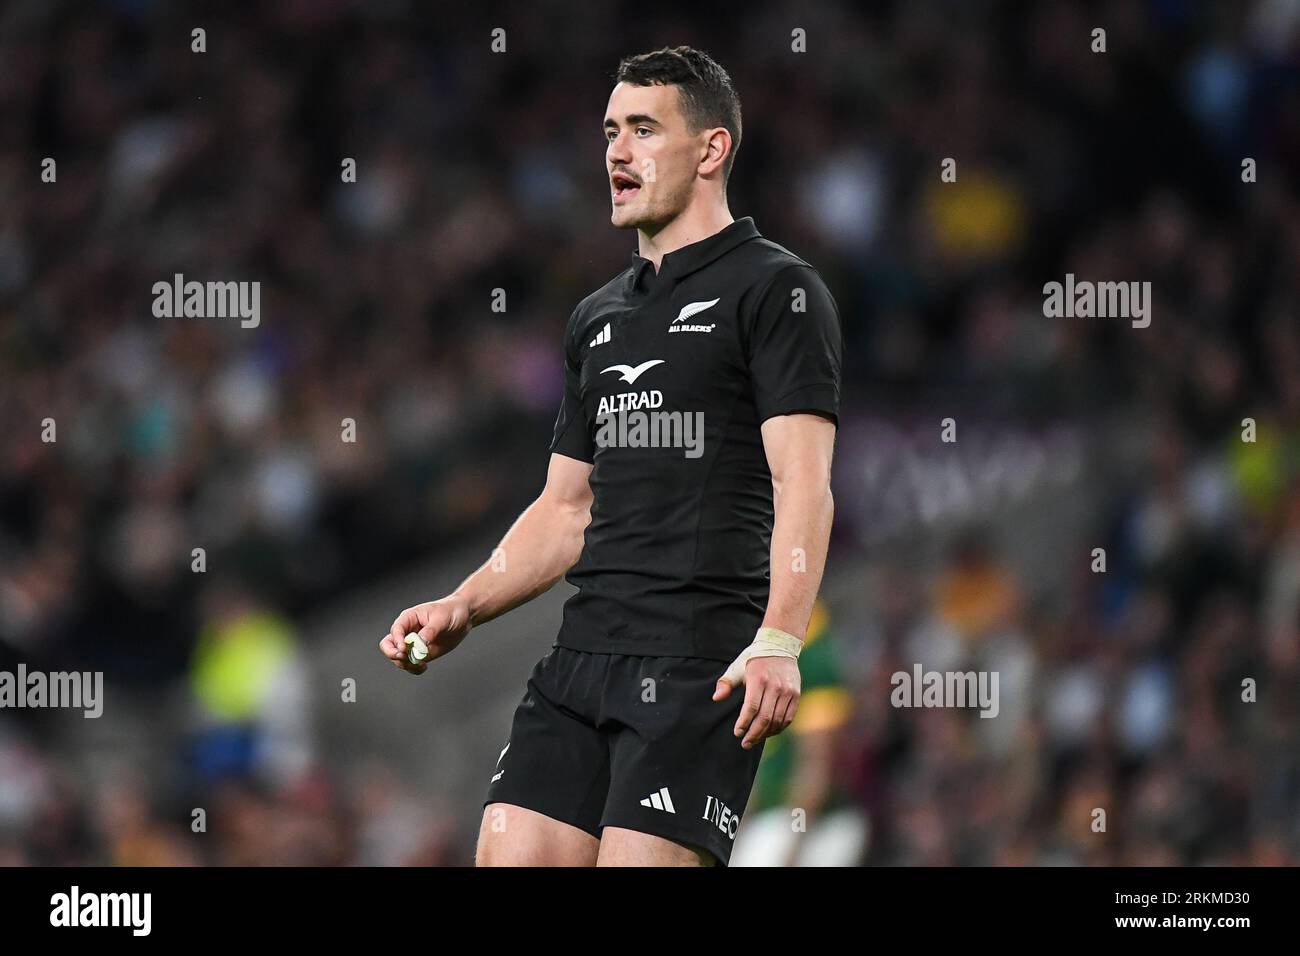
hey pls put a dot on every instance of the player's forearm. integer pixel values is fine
(543, 543)
(801, 533)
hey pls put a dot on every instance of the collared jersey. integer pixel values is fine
(668, 378)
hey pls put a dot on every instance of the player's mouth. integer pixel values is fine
(625, 187)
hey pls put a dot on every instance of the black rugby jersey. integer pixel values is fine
(667, 380)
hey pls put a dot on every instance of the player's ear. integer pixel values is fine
(715, 146)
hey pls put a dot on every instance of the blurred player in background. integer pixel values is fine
(799, 813)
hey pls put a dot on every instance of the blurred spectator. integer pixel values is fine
(249, 684)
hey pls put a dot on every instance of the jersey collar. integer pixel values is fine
(697, 255)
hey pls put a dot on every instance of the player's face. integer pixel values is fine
(651, 157)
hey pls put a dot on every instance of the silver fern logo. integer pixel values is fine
(694, 308)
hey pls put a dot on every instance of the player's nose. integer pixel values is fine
(618, 154)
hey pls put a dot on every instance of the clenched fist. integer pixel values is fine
(441, 624)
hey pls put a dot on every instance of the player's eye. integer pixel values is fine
(610, 134)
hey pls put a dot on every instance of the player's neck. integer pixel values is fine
(695, 223)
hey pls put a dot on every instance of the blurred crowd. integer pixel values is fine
(480, 171)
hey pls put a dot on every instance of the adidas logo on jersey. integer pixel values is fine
(660, 801)
(603, 336)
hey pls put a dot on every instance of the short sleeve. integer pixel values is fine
(572, 436)
(795, 346)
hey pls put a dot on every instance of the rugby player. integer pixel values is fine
(696, 564)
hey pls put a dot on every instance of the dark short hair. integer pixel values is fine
(708, 98)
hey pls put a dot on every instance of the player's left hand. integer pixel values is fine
(771, 697)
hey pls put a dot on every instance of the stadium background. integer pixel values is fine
(476, 171)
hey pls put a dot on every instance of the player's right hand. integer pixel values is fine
(441, 624)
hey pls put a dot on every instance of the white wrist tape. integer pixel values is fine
(768, 642)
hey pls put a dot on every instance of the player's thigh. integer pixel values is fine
(549, 782)
(621, 847)
(516, 836)
(678, 775)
